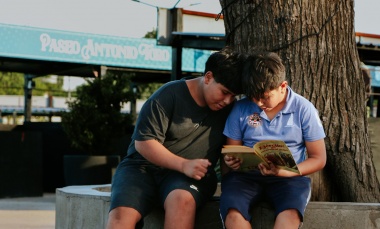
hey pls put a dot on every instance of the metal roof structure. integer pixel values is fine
(368, 46)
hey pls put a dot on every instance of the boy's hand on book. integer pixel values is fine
(232, 162)
(270, 170)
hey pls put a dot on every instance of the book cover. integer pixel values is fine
(274, 150)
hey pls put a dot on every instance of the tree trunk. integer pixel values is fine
(316, 41)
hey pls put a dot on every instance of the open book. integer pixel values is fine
(275, 151)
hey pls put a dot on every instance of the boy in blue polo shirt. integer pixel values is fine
(271, 111)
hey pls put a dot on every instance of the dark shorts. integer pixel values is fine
(140, 185)
(242, 190)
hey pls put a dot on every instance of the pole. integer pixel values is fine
(28, 86)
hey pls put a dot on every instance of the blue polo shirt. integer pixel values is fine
(297, 122)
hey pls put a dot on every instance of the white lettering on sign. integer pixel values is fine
(105, 50)
(151, 53)
(108, 50)
(59, 46)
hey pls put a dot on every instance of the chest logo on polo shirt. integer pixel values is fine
(254, 120)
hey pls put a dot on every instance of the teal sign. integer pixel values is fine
(64, 46)
(375, 76)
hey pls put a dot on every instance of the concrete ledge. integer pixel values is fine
(87, 207)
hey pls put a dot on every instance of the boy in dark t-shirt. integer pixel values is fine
(175, 146)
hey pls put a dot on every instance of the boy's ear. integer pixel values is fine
(208, 76)
(283, 85)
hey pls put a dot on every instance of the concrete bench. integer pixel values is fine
(86, 207)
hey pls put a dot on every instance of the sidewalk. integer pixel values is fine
(28, 212)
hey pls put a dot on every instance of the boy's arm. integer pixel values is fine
(156, 153)
(316, 159)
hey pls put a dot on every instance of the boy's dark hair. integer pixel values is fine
(263, 71)
(226, 66)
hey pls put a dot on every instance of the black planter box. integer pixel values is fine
(20, 164)
(89, 170)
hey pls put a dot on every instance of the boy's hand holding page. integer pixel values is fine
(232, 162)
(272, 170)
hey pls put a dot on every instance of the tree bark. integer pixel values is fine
(316, 40)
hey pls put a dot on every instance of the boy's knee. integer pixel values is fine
(289, 216)
(233, 215)
(180, 199)
(235, 219)
(120, 217)
(291, 213)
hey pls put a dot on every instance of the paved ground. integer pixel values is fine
(28, 212)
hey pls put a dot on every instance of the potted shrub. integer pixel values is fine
(96, 127)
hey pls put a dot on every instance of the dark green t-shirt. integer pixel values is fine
(172, 117)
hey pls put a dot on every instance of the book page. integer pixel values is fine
(277, 152)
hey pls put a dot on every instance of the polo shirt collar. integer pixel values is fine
(289, 105)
